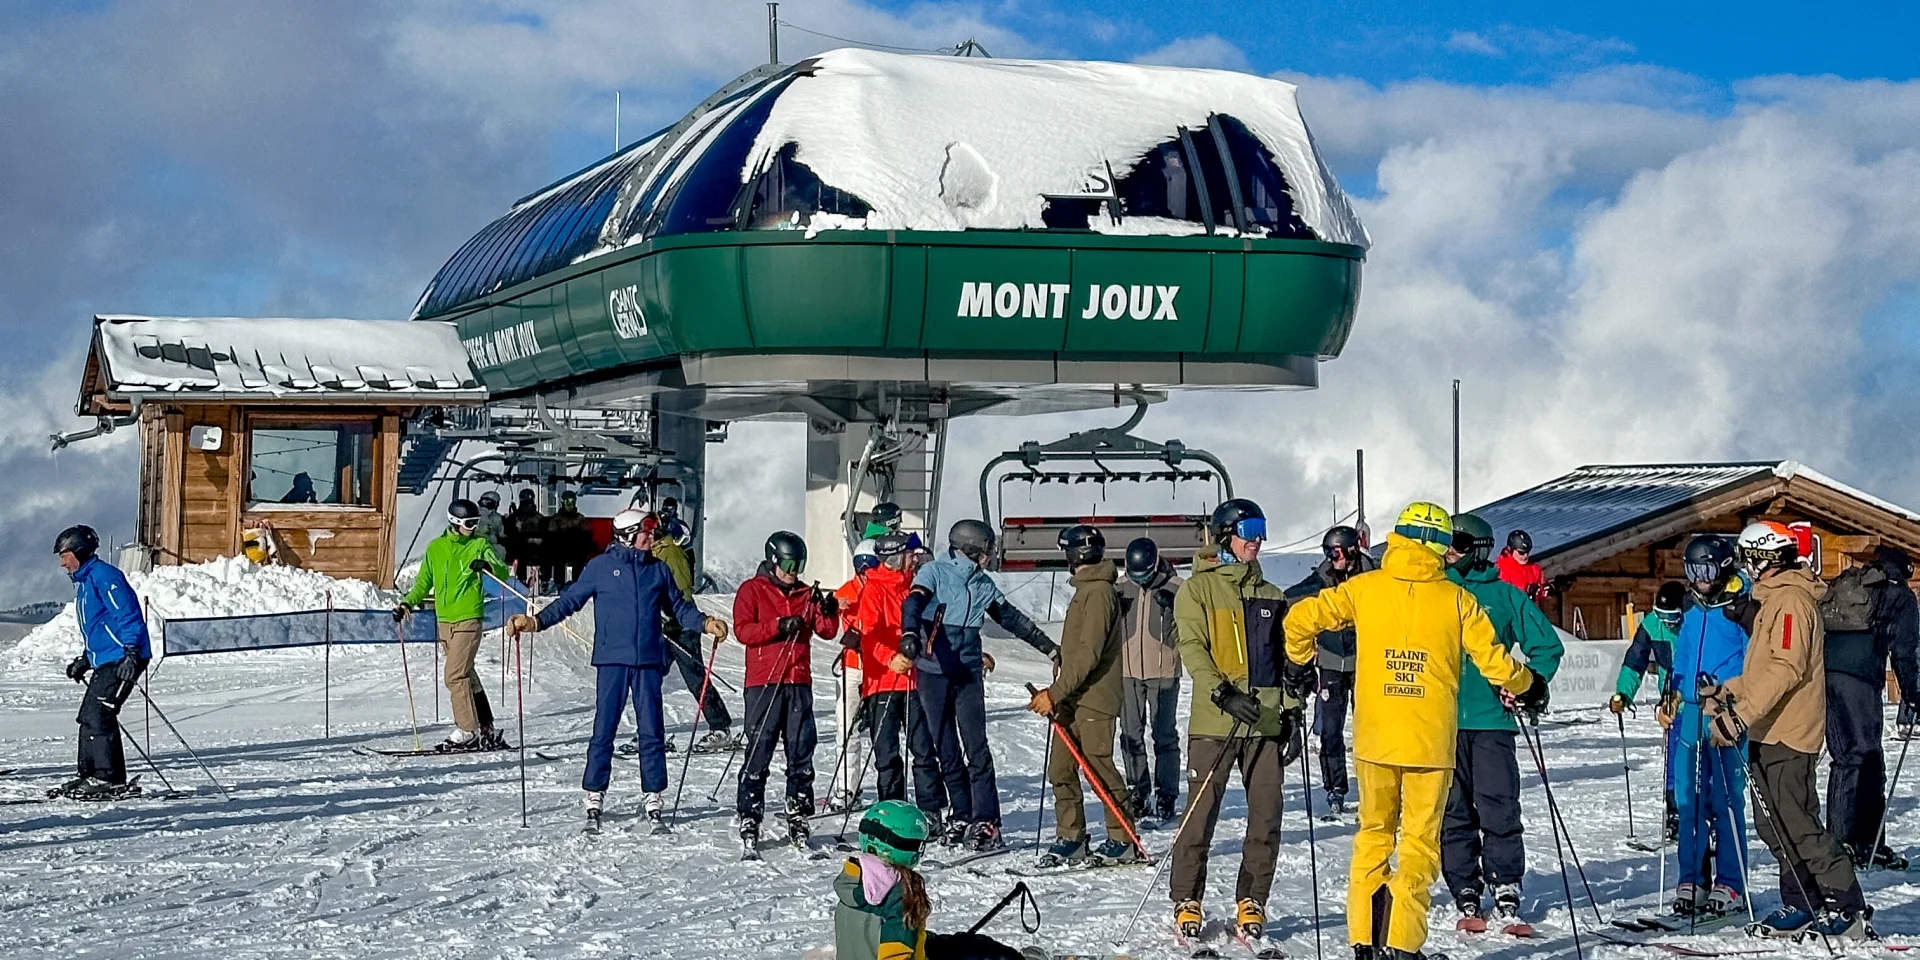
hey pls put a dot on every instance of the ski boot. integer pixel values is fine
(955, 834)
(459, 741)
(491, 739)
(1115, 852)
(1336, 804)
(1671, 831)
(799, 829)
(95, 790)
(982, 837)
(843, 804)
(715, 741)
(595, 800)
(1063, 852)
(1687, 900)
(1471, 919)
(654, 807)
(1506, 911)
(66, 789)
(1165, 809)
(749, 838)
(1389, 953)
(1786, 923)
(1250, 918)
(1363, 951)
(1723, 900)
(1884, 858)
(1188, 919)
(1843, 924)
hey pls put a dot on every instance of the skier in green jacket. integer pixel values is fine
(1480, 841)
(451, 571)
(1652, 651)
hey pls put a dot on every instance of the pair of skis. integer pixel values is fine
(1202, 947)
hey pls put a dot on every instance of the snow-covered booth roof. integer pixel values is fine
(859, 203)
(135, 359)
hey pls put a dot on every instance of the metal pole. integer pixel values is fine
(326, 687)
(1360, 495)
(773, 33)
(1456, 446)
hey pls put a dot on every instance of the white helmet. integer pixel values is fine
(1768, 543)
(627, 524)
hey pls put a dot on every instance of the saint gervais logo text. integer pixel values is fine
(623, 303)
(1049, 301)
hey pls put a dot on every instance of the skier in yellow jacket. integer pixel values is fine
(1411, 626)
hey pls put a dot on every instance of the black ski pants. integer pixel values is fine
(1814, 871)
(1330, 725)
(955, 708)
(1480, 842)
(776, 713)
(1158, 699)
(684, 648)
(1857, 781)
(889, 715)
(102, 756)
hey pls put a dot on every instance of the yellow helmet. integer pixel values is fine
(1427, 524)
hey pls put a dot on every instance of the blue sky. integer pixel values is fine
(1595, 214)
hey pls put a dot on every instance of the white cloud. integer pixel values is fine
(1467, 41)
(1205, 50)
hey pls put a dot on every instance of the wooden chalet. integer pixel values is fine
(289, 426)
(1608, 536)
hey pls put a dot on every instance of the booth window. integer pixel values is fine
(1218, 175)
(317, 463)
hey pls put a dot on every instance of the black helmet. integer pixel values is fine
(79, 540)
(489, 500)
(1143, 560)
(1343, 538)
(889, 545)
(1520, 541)
(569, 497)
(669, 508)
(972, 538)
(1082, 544)
(462, 513)
(787, 551)
(526, 495)
(1473, 540)
(1229, 516)
(1708, 559)
(887, 514)
(1672, 595)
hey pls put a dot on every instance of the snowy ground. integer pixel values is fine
(327, 852)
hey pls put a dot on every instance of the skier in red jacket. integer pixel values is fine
(1517, 567)
(776, 617)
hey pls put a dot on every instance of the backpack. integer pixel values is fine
(1847, 606)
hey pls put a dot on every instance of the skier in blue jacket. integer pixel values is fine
(116, 653)
(940, 624)
(630, 588)
(1709, 782)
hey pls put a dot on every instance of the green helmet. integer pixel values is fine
(1473, 538)
(894, 831)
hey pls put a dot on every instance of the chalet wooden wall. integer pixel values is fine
(193, 506)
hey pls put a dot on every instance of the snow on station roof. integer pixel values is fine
(134, 358)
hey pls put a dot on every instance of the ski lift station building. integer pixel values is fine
(877, 243)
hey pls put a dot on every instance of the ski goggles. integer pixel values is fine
(1703, 572)
(464, 523)
(1252, 528)
(792, 567)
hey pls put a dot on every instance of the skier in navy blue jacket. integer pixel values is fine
(117, 652)
(630, 589)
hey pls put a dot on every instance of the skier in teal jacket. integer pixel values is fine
(1480, 839)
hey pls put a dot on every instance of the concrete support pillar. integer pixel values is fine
(833, 453)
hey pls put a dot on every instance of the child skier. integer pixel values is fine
(1411, 626)
(451, 570)
(1084, 700)
(1481, 842)
(630, 590)
(117, 649)
(776, 618)
(881, 904)
(1652, 650)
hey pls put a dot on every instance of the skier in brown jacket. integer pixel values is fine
(1779, 702)
(1085, 699)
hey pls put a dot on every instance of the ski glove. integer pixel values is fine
(1300, 679)
(77, 669)
(850, 638)
(1238, 704)
(1618, 703)
(1726, 728)
(791, 627)
(1533, 702)
(480, 566)
(400, 612)
(128, 670)
(829, 606)
(1291, 742)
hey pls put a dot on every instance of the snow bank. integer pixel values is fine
(228, 587)
(956, 143)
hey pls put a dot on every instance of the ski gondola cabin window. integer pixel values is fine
(307, 464)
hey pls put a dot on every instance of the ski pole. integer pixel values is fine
(1313, 847)
(150, 764)
(528, 603)
(1553, 821)
(1906, 741)
(400, 634)
(839, 708)
(699, 711)
(1194, 799)
(183, 742)
(859, 780)
(1626, 772)
(1040, 807)
(1757, 784)
(520, 707)
(786, 660)
(1025, 896)
(1068, 740)
(1553, 809)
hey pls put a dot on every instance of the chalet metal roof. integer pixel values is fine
(1597, 500)
(134, 358)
